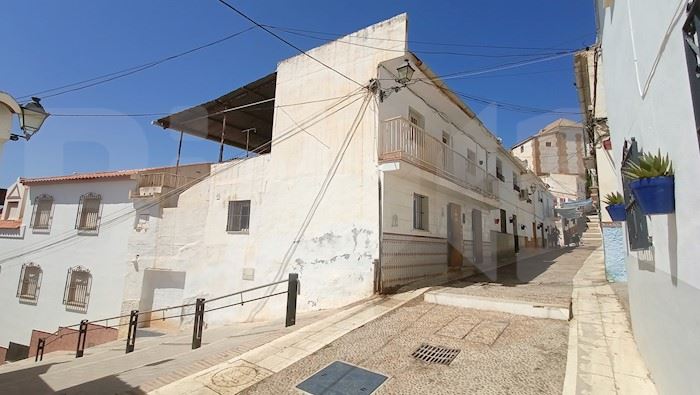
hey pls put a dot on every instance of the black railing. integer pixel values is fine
(199, 311)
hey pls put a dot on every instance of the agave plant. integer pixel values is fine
(650, 165)
(613, 199)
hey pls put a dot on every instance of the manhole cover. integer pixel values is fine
(340, 378)
(235, 376)
(434, 354)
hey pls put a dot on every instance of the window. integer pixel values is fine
(77, 292)
(446, 139)
(420, 212)
(548, 144)
(88, 218)
(522, 148)
(29, 283)
(499, 170)
(504, 228)
(41, 218)
(238, 216)
(471, 161)
(516, 182)
(416, 118)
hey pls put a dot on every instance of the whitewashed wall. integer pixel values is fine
(103, 254)
(314, 198)
(648, 98)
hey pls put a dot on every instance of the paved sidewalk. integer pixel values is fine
(240, 372)
(603, 356)
(156, 361)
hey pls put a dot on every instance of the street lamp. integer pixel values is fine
(32, 117)
(405, 73)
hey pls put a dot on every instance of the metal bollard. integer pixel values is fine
(131, 335)
(40, 350)
(82, 333)
(198, 323)
(292, 292)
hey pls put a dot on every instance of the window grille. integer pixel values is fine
(29, 282)
(41, 216)
(504, 221)
(692, 54)
(499, 170)
(88, 218)
(76, 295)
(636, 222)
(238, 216)
(420, 212)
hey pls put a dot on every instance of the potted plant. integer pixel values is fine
(615, 206)
(653, 183)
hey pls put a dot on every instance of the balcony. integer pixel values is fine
(402, 140)
(150, 185)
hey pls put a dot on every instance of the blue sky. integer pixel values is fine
(51, 43)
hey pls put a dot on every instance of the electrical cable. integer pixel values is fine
(126, 72)
(71, 235)
(285, 41)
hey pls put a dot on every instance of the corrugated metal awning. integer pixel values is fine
(206, 120)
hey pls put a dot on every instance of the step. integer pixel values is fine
(447, 297)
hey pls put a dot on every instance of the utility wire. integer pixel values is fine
(289, 29)
(285, 41)
(75, 86)
(119, 217)
(427, 52)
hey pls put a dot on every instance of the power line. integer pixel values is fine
(75, 86)
(289, 29)
(285, 41)
(118, 216)
(511, 106)
(427, 52)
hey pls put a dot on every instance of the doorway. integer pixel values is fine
(454, 236)
(478, 236)
(516, 242)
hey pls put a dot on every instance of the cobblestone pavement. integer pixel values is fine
(499, 353)
(546, 279)
(157, 361)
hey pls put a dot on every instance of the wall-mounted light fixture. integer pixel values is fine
(522, 227)
(539, 226)
(404, 73)
(511, 219)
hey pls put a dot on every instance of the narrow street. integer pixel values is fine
(499, 353)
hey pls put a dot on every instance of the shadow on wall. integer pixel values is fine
(673, 248)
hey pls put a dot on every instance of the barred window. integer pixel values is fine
(420, 212)
(238, 216)
(41, 218)
(88, 218)
(77, 292)
(29, 283)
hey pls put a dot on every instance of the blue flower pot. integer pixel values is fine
(655, 195)
(617, 212)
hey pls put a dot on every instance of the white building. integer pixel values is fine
(652, 93)
(357, 183)
(63, 248)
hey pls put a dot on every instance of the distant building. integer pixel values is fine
(555, 154)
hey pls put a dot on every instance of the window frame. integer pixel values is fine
(30, 298)
(420, 212)
(499, 170)
(230, 218)
(69, 300)
(36, 213)
(81, 208)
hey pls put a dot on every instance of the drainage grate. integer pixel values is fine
(433, 354)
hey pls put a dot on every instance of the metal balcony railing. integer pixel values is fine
(401, 140)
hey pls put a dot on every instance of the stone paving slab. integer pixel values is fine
(546, 279)
(501, 354)
(602, 355)
(280, 353)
